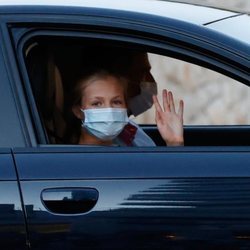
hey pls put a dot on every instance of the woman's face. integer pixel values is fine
(103, 93)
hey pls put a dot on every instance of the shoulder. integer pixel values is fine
(141, 138)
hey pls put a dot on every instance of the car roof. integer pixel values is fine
(191, 13)
(224, 21)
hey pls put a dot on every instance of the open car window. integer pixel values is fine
(216, 107)
(210, 98)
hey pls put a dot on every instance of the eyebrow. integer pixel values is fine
(96, 97)
(117, 96)
(101, 97)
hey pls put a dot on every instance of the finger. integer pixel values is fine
(171, 102)
(167, 97)
(157, 117)
(181, 109)
(165, 100)
(158, 107)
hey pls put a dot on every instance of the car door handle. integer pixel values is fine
(69, 200)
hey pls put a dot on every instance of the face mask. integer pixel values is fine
(105, 123)
(144, 101)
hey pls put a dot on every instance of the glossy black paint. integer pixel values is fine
(11, 131)
(12, 222)
(7, 170)
(155, 198)
(207, 213)
(147, 200)
(146, 30)
(98, 163)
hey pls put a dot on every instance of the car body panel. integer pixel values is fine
(53, 163)
(217, 19)
(12, 223)
(232, 52)
(6, 163)
(12, 133)
(194, 14)
(150, 198)
(138, 213)
(146, 200)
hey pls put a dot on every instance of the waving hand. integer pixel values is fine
(169, 122)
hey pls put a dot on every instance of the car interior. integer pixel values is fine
(52, 67)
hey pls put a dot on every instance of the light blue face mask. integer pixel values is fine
(105, 123)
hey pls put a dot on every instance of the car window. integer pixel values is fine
(210, 98)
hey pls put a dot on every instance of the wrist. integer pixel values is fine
(177, 142)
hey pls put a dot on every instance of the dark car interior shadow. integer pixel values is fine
(207, 135)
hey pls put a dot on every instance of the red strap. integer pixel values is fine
(128, 134)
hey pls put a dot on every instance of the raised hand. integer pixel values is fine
(169, 122)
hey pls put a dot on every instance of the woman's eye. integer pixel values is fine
(118, 102)
(96, 104)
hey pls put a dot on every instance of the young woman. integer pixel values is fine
(100, 103)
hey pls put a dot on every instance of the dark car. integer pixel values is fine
(59, 195)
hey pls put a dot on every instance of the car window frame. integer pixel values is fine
(159, 46)
(16, 132)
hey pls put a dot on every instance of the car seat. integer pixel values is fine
(48, 91)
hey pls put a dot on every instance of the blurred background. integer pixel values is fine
(209, 97)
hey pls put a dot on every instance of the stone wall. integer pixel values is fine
(209, 97)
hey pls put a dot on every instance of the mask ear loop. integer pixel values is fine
(83, 116)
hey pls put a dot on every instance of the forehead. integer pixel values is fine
(105, 85)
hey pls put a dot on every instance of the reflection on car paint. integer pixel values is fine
(163, 210)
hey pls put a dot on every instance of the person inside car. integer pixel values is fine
(100, 103)
(133, 65)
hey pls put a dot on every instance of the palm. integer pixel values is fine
(169, 122)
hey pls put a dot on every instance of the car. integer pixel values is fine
(57, 195)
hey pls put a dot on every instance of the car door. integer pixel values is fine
(12, 223)
(120, 199)
(13, 232)
(130, 198)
